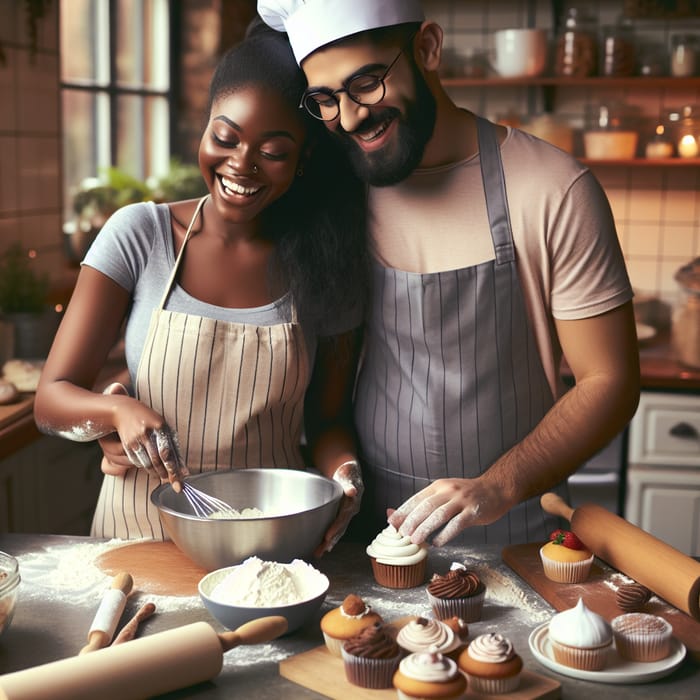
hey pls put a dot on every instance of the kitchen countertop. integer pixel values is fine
(61, 590)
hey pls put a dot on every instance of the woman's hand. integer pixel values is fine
(142, 440)
(349, 476)
(451, 504)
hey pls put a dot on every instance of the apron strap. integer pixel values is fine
(495, 191)
(173, 273)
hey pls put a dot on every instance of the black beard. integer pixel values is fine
(399, 159)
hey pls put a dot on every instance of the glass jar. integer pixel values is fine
(576, 50)
(685, 329)
(617, 52)
(610, 131)
(684, 55)
(684, 126)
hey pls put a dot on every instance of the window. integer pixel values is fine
(115, 89)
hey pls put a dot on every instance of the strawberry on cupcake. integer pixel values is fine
(565, 559)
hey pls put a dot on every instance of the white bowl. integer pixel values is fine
(297, 614)
(610, 145)
(9, 585)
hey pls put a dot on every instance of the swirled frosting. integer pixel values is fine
(428, 666)
(492, 648)
(456, 583)
(389, 547)
(373, 642)
(631, 597)
(423, 634)
(580, 627)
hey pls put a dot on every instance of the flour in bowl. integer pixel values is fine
(233, 514)
(267, 584)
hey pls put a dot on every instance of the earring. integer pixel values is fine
(255, 168)
(300, 172)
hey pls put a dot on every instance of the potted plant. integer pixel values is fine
(24, 304)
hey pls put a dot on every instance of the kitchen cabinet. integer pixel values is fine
(663, 474)
(50, 486)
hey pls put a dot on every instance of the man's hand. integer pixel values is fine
(349, 476)
(452, 504)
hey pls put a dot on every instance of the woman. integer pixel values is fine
(230, 305)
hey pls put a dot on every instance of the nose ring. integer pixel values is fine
(255, 168)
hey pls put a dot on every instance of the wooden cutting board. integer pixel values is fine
(598, 593)
(159, 568)
(11, 412)
(321, 671)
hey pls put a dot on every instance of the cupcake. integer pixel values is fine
(371, 657)
(491, 665)
(642, 637)
(565, 558)
(459, 627)
(632, 597)
(460, 592)
(341, 623)
(429, 674)
(580, 638)
(423, 634)
(396, 561)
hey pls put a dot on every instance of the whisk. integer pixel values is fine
(204, 505)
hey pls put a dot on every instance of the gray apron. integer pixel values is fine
(233, 393)
(451, 377)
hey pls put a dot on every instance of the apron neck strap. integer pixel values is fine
(188, 233)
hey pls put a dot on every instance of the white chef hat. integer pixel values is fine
(311, 24)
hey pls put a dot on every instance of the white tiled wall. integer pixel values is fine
(30, 145)
(657, 210)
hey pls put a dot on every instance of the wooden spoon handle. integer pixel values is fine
(555, 505)
(263, 629)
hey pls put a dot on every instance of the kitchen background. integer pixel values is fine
(656, 204)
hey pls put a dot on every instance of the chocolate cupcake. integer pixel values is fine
(632, 597)
(371, 657)
(459, 593)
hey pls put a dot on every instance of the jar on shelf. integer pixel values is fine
(617, 50)
(610, 132)
(652, 60)
(685, 322)
(576, 47)
(684, 125)
(685, 55)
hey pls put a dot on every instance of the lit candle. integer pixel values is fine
(688, 146)
(659, 147)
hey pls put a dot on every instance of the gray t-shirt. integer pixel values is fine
(135, 249)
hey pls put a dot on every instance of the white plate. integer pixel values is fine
(618, 670)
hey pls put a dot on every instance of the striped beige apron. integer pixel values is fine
(232, 392)
(451, 377)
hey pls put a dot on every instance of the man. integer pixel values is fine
(494, 253)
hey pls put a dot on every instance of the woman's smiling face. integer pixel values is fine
(250, 151)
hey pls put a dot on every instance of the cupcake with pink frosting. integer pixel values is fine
(429, 674)
(396, 561)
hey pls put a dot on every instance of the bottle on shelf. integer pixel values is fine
(576, 49)
(617, 50)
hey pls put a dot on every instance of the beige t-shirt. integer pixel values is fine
(568, 254)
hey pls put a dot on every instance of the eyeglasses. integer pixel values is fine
(363, 89)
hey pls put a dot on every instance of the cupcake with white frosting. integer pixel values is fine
(429, 674)
(491, 665)
(580, 638)
(396, 561)
(423, 634)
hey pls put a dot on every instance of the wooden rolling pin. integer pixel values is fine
(148, 666)
(663, 569)
(108, 614)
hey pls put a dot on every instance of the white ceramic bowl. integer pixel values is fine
(9, 585)
(232, 616)
(606, 145)
(298, 507)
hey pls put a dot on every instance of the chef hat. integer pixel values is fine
(311, 24)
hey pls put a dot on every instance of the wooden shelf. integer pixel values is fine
(593, 82)
(644, 162)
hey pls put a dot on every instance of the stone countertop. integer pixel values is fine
(61, 590)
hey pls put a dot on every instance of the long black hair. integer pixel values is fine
(319, 225)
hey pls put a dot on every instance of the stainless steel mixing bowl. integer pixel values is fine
(297, 506)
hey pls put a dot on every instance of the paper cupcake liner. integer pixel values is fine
(594, 659)
(370, 673)
(335, 646)
(641, 645)
(403, 696)
(492, 686)
(566, 571)
(469, 609)
(392, 576)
